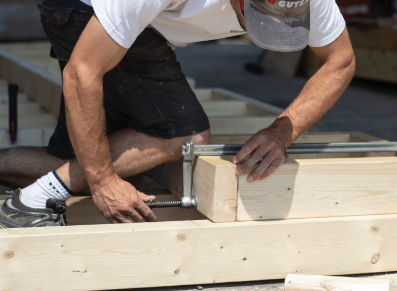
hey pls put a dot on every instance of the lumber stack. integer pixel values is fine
(375, 51)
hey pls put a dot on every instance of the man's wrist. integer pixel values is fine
(98, 178)
(283, 130)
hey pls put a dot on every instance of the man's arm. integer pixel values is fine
(95, 54)
(319, 94)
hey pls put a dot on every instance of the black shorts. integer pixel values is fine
(147, 92)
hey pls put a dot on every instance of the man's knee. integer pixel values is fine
(202, 138)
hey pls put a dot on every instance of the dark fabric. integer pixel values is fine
(149, 94)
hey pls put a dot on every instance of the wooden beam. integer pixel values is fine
(170, 177)
(239, 124)
(215, 187)
(140, 255)
(295, 282)
(321, 188)
(41, 86)
(225, 108)
(254, 106)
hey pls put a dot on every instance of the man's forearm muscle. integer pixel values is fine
(267, 147)
(320, 93)
(95, 54)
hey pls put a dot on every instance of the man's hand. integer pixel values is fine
(266, 149)
(118, 201)
(317, 97)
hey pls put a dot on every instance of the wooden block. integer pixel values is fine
(215, 187)
(255, 107)
(41, 86)
(142, 255)
(225, 108)
(266, 109)
(325, 181)
(240, 124)
(321, 188)
(295, 282)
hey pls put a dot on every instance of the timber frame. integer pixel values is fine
(324, 214)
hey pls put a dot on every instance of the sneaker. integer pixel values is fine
(15, 214)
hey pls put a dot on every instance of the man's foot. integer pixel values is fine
(15, 214)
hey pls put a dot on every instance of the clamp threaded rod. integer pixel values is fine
(164, 204)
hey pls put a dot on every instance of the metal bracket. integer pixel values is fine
(188, 157)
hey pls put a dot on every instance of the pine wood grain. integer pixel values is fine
(101, 257)
(295, 282)
(321, 188)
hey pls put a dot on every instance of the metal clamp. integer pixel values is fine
(188, 157)
(189, 151)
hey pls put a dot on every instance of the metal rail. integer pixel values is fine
(189, 150)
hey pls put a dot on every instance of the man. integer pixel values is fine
(121, 77)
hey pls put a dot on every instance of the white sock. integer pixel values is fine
(48, 186)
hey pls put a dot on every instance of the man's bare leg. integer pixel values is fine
(132, 153)
(22, 166)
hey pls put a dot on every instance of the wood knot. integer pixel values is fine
(177, 271)
(244, 259)
(181, 237)
(8, 255)
(336, 203)
(375, 228)
(375, 259)
(221, 247)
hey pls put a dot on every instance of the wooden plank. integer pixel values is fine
(215, 188)
(240, 124)
(321, 188)
(38, 84)
(225, 108)
(363, 137)
(143, 255)
(316, 137)
(295, 282)
(268, 109)
(255, 107)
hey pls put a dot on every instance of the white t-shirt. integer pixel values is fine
(187, 21)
